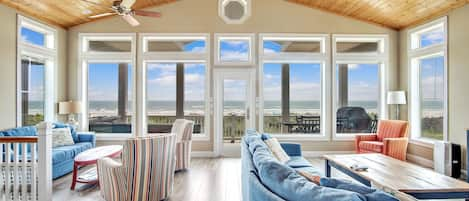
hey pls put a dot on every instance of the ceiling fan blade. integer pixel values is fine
(147, 13)
(131, 20)
(101, 15)
(127, 3)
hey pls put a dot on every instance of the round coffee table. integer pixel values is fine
(90, 157)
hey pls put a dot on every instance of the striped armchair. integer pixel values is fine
(183, 129)
(146, 172)
(390, 139)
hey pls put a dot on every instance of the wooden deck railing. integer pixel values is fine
(26, 166)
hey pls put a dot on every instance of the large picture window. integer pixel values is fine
(107, 87)
(176, 84)
(37, 53)
(359, 83)
(292, 84)
(428, 94)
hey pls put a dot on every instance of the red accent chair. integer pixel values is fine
(390, 139)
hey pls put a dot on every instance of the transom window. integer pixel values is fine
(359, 83)
(234, 49)
(428, 81)
(36, 64)
(292, 78)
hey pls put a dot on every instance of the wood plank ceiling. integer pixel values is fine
(68, 13)
(395, 14)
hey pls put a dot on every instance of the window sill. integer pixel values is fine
(112, 136)
(348, 136)
(307, 137)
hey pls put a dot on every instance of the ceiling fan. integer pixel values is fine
(124, 9)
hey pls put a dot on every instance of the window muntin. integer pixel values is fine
(110, 97)
(297, 111)
(163, 83)
(358, 95)
(32, 90)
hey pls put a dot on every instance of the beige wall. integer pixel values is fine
(268, 16)
(458, 71)
(8, 66)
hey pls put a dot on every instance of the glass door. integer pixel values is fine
(234, 109)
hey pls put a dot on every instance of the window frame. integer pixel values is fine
(85, 57)
(321, 58)
(218, 37)
(174, 57)
(381, 58)
(49, 54)
(415, 54)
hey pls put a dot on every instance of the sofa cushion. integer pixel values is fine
(69, 152)
(255, 143)
(72, 130)
(277, 150)
(310, 170)
(285, 182)
(371, 146)
(298, 161)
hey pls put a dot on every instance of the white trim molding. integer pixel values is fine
(46, 53)
(320, 57)
(85, 57)
(379, 57)
(415, 54)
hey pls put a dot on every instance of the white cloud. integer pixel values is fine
(235, 42)
(234, 55)
(197, 50)
(432, 87)
(362, 91)
(353, 66)
(269, 50)
(167, 80)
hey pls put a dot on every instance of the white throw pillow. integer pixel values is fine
(277, 150)
(62, 137)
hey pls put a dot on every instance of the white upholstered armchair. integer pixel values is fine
(146, 172)
(183, 129)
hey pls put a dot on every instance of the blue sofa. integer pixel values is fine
(264, 178)
(62, 157)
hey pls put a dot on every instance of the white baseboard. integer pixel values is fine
(312, 154)
(420, 160)
(202, 154)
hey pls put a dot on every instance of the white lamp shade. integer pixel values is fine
(396, 98)
(70, 107)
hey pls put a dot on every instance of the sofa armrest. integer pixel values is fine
(396, 147)
(87, 137)
(292, 149)
(364, 137)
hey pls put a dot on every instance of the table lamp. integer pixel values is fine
(396, 98)
(70, 108)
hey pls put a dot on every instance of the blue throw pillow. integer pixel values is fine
(371, 194)
(265, 136)
(72, 130)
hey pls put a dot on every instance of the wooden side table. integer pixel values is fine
(90, 157)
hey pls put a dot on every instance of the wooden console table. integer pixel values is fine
(419, 182)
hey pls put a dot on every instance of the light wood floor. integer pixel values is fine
(209, 179)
